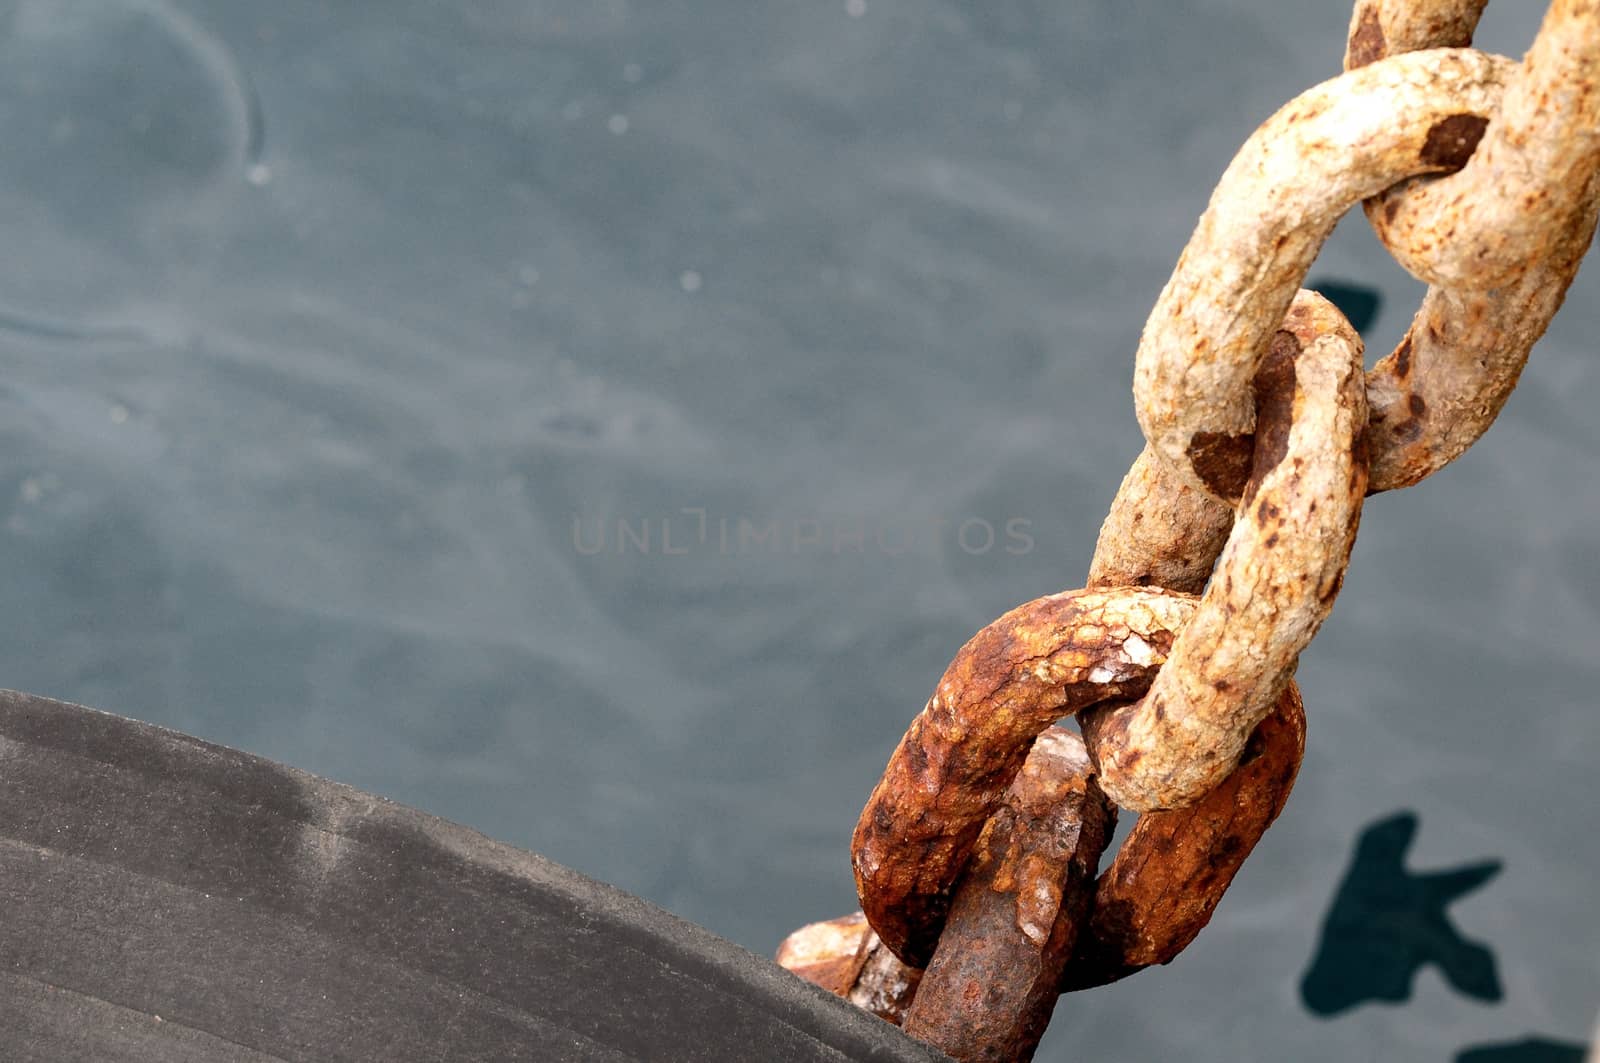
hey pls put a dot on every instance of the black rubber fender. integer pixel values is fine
(167, 900)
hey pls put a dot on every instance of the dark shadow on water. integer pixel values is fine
(1527, 1050)
(1387, 923)
(1357, 302)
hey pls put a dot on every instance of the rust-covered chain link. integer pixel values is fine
(1508, 231)
(1386, 120)
(977, 854)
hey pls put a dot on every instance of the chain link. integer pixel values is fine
(976, 854)
(1275, 580)
(1447, 380)
(1275, 205)
(1528, 178)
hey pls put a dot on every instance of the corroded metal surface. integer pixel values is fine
(1328, 149)
(1173, 868)
(1277, 578)
(828, 954)
(1381, 28)
(1528, 176)
(1160, 891)
(1161, 532)
(1041, 661)
(1500, 241)
(848, 959)
(1301, 488)
(993, 981)
(1264, 435)
(885, 986)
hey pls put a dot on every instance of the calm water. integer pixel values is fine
(599, 423)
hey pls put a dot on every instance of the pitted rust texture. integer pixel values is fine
(1329, 148)
(1274, 583)
(1160, 532)
(1041, 661)
(1460, 360)
(1222, 461)
(991, 986)
(1158, 894)
(1144, 912)
(1500, 241)
(1527, 183)
(1042, 847)
(1174, 867)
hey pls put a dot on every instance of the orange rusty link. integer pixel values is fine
(1041, 661)
(1174, 867)
(1160, 891)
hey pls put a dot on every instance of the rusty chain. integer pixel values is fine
(977, 854)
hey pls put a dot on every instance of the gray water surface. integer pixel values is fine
(600, 422)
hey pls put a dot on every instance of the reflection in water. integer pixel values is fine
(1527, 1050)
(1386, 923)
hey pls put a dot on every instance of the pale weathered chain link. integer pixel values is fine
(1275, 581)
(976, 854)
(1527, 181)
(1447, 380)
(1276, 204)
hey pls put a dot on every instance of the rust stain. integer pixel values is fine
(1274, 387)
(1367, 43)
(1222, 461)
(1450, 141)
